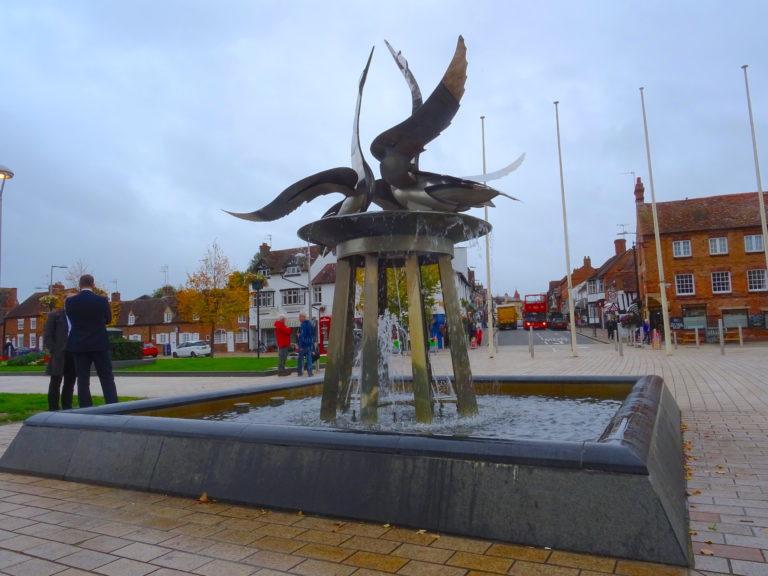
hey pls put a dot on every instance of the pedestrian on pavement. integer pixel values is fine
(283, 335)
(646, 332)
(8, 348)
(306, 344)
(89, 314)
(61, 364)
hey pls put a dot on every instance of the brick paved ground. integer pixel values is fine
(69, 529)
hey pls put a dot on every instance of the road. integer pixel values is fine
(546, 337)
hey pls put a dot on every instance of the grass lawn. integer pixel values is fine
(225, 364)
(17, 407)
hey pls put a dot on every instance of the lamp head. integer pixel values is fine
(5, 173)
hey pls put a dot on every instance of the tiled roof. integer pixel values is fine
(146, 311)
(276, 259)
(700, 214)
(29, 308)
(327, 275)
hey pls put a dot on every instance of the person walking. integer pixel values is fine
(61, 365)
(283, 335)
(88, 315)
(8, 348)
(306, 343)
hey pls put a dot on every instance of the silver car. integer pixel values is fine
(192, 349)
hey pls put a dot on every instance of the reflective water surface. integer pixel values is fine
(502, 416)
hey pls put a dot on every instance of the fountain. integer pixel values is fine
(620, 494)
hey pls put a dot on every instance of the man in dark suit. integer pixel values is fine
(61, 365)
(88, 315)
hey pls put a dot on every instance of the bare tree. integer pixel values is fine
(74, 271)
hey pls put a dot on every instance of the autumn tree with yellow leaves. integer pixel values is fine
(215, 295)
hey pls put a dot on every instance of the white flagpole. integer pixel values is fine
(659, 262)
(571, 305)
(761, 200)
(489, 294)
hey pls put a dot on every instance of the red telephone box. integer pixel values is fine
(325, 332)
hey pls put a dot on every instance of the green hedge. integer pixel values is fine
(123, 349)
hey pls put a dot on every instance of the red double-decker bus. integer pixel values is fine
(535, 311)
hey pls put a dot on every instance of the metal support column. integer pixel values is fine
(369, 372)
(462, 373)
(422, 391)
(338, 370)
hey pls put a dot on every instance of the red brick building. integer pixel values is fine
(713, 258)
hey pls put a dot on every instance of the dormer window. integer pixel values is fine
(168, 317)
(131, 319)
(292, 267)
(263, 269)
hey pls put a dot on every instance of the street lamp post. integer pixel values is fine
(489, 294)
(571, 303)
(50, 284)
(657, 235)
(5, 174)
(258, 285)
(760, 199)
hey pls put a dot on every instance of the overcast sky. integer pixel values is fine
(131, 125)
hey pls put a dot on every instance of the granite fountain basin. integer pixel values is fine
(621, 494)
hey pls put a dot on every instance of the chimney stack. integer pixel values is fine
(639, 191)
(621, 246)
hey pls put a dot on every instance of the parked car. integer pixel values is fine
(192, 349)
(558, 322)
(24, 350)
(150, 350)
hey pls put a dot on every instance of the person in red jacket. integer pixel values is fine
(283, 335)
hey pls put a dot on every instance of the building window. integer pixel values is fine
(263, 299)
(317, 295)
(162, 338)
(168, 317)
(735, 318)
(293, 297)
(753, 243)
(242, 335)
(681, 248)
(33, 340)
(721, 282)
(684, 284)
(131, 319)
(188, 337)
(20, 324)
(135, 337)
(756, 281)
(33, 325)
(220, 336)
(718, 246)
(242, 319)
